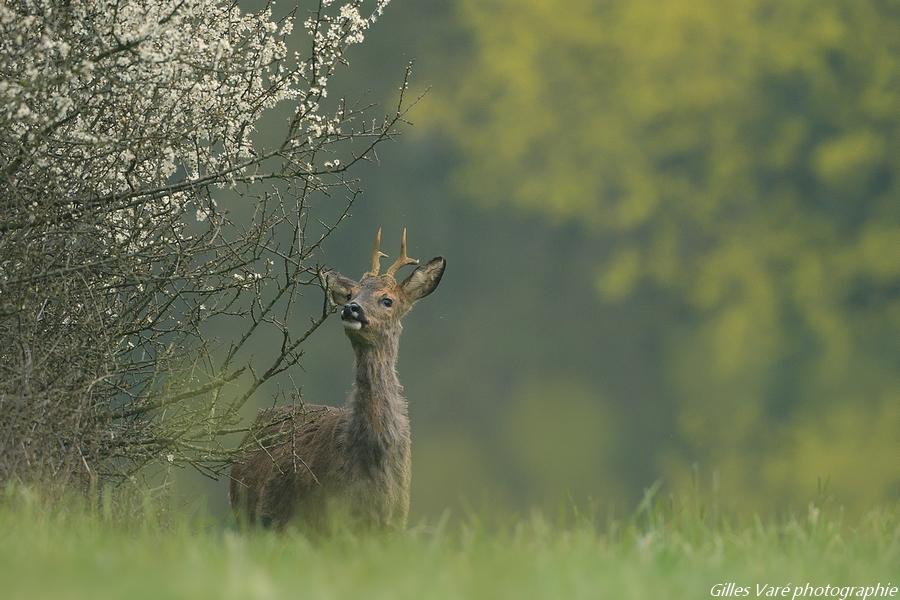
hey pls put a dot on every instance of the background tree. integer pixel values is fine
(120, 123)
(737, 163)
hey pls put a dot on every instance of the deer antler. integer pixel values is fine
(403, 259)
(376, 256)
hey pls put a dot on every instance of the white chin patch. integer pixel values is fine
(353, 325)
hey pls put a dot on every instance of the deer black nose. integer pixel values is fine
(352, 310)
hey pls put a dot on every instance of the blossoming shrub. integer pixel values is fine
(121, 122)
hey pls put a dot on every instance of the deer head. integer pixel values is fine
(371, 308)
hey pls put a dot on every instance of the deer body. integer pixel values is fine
(315, 463)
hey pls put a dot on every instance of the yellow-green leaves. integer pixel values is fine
(742, 159)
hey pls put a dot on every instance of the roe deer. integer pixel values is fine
(307, 461)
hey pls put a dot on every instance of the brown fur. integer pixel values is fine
(316, 463)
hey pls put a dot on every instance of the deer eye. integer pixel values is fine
(349, 297)
(387, 302)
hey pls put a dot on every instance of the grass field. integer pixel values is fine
(66, 550)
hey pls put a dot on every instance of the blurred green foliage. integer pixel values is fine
(672, 241)
(741, 161)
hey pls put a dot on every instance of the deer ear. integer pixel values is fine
(424, 279)
(339, 287)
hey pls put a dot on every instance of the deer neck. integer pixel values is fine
(378, 420)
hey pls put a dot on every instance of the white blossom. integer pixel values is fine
(105, 102)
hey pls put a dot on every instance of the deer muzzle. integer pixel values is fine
(352, 315)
